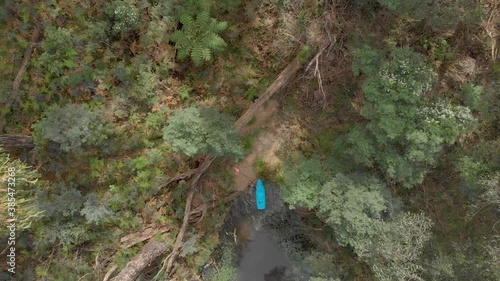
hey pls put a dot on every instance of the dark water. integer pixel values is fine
(262, 259)
(259, 255)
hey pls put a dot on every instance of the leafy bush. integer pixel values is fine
(124, 16)
(59, 52)
(366, 60)
(71, 126)
(350, 204)
(224, 271)
(439, 49)
(196, 130)
(93, 210)
(303, 182)
(60, 201)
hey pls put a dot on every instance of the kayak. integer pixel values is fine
(260, 195)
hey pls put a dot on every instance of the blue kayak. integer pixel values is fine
(260, 195)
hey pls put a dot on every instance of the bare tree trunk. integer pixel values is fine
(16, 141)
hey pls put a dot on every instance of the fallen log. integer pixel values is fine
(24, 65)
(16, 141)
(135, 238)
(146, 256)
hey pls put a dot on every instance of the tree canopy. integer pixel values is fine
(196, 130)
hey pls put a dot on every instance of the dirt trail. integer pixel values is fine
(265, 146)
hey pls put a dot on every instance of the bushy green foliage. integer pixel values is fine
(467, 260)
(366, 60)
(303, 182)
(482, 99)
(358, 208)
(59, 52)
(161, 25)
(439, 48)
(93, 210)
(439, 14)
(60, 201)
(143, 91)
(405, 130)
(199, 36)
(479, 166)
(396, 247)
(225, 270)
(350, 204)
(124, 16)
(196, 130)
(71, 126)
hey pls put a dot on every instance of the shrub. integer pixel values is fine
(196, 130)
(124, 16)
(71, 126)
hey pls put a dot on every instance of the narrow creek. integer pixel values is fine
(258, 238)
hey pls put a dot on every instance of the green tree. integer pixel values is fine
(396, 247)
(199, 36)
(366, 60)
(406, 130)
(196, 130)
(71, 126)
(303, 182)
(352, 204)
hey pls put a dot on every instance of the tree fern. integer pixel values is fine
(199, 36)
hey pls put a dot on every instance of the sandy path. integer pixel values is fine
(265, 146)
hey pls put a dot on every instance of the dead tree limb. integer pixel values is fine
(24, 65)
(109, 273)
(146, 256)
(183, 176)
(187, 212)
(133, 239)
(26, 59)
(214, 203)
(16, 141)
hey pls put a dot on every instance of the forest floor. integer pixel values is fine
(265, 146)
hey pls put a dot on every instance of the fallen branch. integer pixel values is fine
(133, 239)
(16, 141)
(109, 273)
(187, 212)
(183, 176)
(214, 203)
(24, 65)
(146, 256)
(278, 83)
(26, 59)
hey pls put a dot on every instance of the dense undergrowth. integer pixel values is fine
(394, 147)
